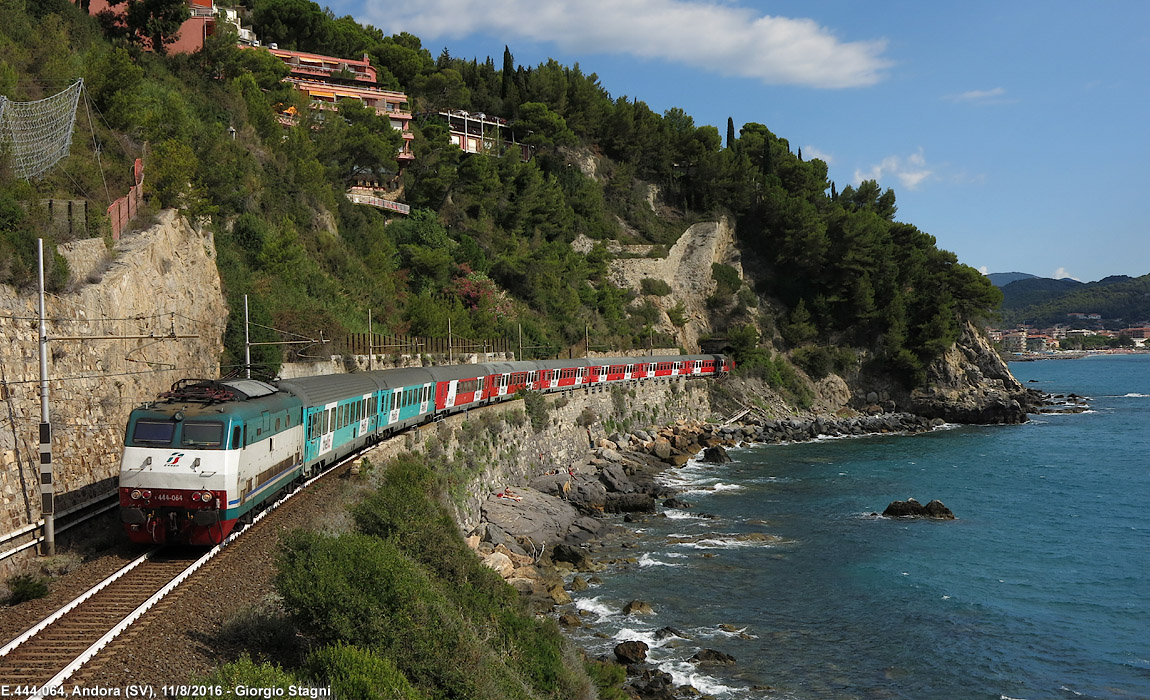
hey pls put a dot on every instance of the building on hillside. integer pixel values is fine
(476, 132)
(202, 23)
(326, 80)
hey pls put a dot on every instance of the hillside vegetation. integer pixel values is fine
(487, 245)
(1121, 301)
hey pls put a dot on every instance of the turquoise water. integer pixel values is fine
(1038, 590)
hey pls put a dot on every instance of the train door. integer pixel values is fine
(628, 371)
(532, 377)
(452, 389)
(364, 419)
(327, 428)
(393, 414)
(501, 384)
(698, 367)
(424, 398)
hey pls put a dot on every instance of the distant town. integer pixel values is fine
(1081, 332)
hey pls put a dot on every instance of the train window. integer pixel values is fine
(154, 432)
(236, 434)
(278, 419)
(195, 434)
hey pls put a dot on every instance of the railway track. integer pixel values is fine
(40, 662)
(46, 655)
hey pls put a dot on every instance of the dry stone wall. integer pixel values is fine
(156, 283)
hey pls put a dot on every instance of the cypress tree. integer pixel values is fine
(508, 72)
(730, 132)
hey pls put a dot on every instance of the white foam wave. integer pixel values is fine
(647, 636)
(648, 560)
(728, 542)
(596, 606)
(1136, 396)
(675, 514)
(726, 487)
(686, 673)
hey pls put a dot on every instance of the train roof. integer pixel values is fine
(326, 388)
(404, 377)
(445, 373)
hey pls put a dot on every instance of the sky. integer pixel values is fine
(1014, 132)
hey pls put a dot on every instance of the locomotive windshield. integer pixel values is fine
(153, 432)
(202, 434)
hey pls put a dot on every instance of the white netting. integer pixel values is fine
(37, 135)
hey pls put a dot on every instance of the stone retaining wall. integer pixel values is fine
(160, 279)
(488, 449)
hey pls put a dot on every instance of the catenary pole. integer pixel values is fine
(247, 342)
(47, 489)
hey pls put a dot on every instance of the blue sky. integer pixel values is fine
(1014, 132)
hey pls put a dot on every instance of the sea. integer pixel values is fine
(1038, 590)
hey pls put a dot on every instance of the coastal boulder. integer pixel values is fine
(716, 455)
(529, 514)
(710, 657)
(633, 652)
(638, 607)
(575, 556)
(935, 509)
(911, 508)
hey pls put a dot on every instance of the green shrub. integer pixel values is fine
(608, 679)
(26, 587)
(654, 287)
(815, 361)
(536, 407)
(726, 278)
(358, 674)
(247, 673)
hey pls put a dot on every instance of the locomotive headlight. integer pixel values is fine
(146, 493)
(207, 496)
(195, 495)
(136, 495)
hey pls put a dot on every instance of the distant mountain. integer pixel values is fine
(1001, 279)
(1035, 290)
(1119, 299)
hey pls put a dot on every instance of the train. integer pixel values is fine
(207, 455)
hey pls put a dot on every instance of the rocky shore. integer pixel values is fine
(541, 536)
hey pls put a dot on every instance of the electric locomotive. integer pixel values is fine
(205, 455)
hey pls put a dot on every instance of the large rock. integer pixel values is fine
(716, 455)
(615, 480)
(630, 503)
(710, 657)
(633, 652)
(638, 607)
(537, 517)
(583, 491)
(911, 508)
(970, 383)
(576, 556)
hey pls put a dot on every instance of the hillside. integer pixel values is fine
(1120, 300)
(1001, 279)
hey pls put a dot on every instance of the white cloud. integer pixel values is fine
(984, 269)
(911, 171)
(1061, 273)
(993, 95)
(721, 38)
(811, 153)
